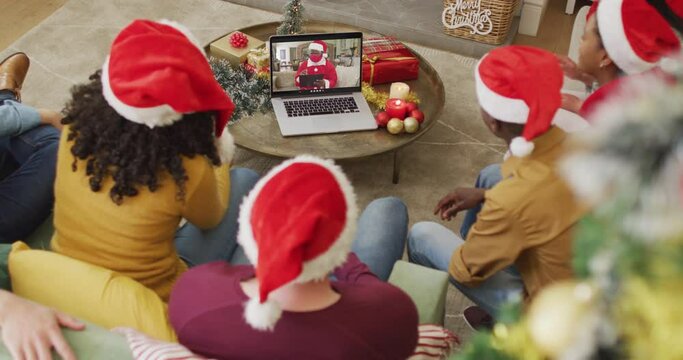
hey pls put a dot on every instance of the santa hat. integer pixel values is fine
(520, 85)
(156, 72)
(634, 34)
(296, 225)
(592, 9)
(319, 45)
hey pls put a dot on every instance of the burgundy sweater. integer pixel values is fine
(372, 320)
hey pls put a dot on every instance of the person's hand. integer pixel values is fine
(571, 103)
(572, 71)
(30, 330)
(458, 200)
(51, 117)
(319, 84)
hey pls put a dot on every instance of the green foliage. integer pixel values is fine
(591, 236)
(293, 19)
(510, 313)
(479, 348)
(249, 92)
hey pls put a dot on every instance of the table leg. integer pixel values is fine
(397, 168)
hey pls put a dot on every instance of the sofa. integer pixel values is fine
(427, 288)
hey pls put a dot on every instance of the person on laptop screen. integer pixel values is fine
(308, 77)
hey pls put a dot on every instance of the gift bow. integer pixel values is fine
(376, 58)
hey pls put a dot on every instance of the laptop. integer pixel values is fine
(315, 84)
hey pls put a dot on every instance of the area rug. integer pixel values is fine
(72, 43)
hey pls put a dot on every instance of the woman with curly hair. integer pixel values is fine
(144, 147)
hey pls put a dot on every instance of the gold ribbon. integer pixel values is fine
(374, 59)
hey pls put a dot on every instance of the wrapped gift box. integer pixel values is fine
(386, 60)
(222, 48)
(258, 60)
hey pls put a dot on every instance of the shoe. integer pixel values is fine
(478, 319)
(13, 72)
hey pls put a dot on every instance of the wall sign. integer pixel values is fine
(467, 14)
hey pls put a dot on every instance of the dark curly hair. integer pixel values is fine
(132, 154)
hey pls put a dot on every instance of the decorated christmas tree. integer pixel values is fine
(628, 253)
(249, 91)
(293, 19)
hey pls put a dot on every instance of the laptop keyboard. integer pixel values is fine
(321, 106)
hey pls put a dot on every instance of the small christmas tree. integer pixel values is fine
(250, 92)
(293, 19)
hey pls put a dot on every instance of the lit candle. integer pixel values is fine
(396, 108)
(399, 90)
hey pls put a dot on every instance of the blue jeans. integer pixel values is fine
(432, 245)
(196, 246)
(27, 174)
(381, 236)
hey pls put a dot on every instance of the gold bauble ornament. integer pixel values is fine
(395, 126)
(556, 315)
(411, 125)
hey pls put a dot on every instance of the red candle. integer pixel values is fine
(396, 108)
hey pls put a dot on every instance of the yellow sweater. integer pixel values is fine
(135, 238)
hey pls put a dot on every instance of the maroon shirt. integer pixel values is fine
(372, 320)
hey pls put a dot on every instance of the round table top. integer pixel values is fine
(260, 132)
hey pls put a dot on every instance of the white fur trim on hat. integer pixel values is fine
(521, 147)
(162, 115)
(316, 46)
(226, 147)
(185, 31)
(262, 316)
(613, 34)
(336, 255)
(500, 107)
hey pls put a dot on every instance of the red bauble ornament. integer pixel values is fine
(238, 40)
(418, 115)
(382, 119)
(411, 106)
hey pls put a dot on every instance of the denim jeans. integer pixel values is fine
(27, 174)
(432, 245)
(196, 246)
(379, 243)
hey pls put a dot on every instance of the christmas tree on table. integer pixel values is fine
(293, 19)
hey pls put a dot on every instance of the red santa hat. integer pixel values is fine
(296, 225)
(156, 72)
(634, 34)
(592, 9)
(318, 45)
(520, 85)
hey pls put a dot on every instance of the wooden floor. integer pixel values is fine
(19, 16)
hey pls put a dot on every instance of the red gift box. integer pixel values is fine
(386, 60)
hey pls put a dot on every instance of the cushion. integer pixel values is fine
(426, 287)
(87, 291)
(93, 342)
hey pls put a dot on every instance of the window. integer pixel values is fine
(283, 54)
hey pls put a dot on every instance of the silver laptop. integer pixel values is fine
(315, 84)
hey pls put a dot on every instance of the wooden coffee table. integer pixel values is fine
(260, 133)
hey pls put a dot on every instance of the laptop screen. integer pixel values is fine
(316, 63)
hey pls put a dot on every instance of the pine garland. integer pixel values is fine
(293, 19)
(249, 92)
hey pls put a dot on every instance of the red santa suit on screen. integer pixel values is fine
(318, 64)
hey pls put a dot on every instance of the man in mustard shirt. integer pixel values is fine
(518, 228)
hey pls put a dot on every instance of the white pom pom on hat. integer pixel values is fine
(262, 316)
(521, 147)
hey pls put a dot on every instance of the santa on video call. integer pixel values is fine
(316, 64)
